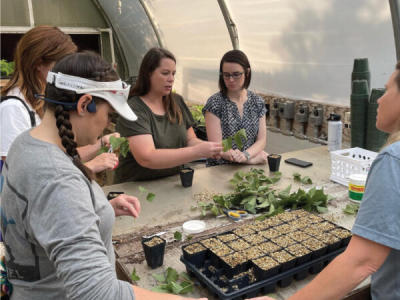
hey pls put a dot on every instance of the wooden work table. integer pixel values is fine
(173, 205)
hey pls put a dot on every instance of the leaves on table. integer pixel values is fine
(255, 193)
(150, 196)
(178, 235)
(304, 180)
(172, 282)
(351, 209)
(134, 276)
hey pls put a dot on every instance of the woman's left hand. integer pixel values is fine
(238, 156)
(105, 140)
(104, 161)
(125, 205)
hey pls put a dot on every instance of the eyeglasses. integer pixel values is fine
(234, 75)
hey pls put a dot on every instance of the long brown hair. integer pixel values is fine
(41, 45)
(85, 64)
(150, 62)
(395, 136)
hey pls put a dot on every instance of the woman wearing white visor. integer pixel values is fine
(56, 221)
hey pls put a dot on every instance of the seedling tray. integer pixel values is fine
(240, 288)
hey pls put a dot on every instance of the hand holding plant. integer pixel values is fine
(120, 145)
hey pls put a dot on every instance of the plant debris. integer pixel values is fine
(172, 282)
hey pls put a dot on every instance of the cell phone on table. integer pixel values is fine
(298, 162)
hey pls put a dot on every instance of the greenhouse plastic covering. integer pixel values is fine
(297, 49)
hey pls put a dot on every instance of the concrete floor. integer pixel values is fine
(280, 143)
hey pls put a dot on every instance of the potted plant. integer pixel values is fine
(200, 125)
(6, 69)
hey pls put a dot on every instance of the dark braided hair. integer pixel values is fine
(87, 65)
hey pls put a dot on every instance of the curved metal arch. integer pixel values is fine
(232, 29)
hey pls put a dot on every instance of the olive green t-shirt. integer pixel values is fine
(166, 135)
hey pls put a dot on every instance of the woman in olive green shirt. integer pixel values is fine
(162, 139)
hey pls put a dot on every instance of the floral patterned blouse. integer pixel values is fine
(231, 121)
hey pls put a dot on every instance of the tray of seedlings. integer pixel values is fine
(257, 257)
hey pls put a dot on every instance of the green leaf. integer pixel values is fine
(175, 287)
(150, 197)
(306, 180)
(178, 235)
(238, 141)
(172, 275)
(142, 189)
(134, 276)
(351, 209)
(215, 210)
(189, 237)
(160, 289)
(103, 149)
(159, 277)
(187, 287)
(227, 144)
(296, 176)
(322, 209)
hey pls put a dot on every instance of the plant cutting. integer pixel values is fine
(173, 282)
(178, 235)
(304, 180)
(239, 138)
(197, 114)
(119, 145)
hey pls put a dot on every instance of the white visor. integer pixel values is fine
(114, 92)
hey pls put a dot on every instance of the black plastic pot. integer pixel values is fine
(197, 258)
(154, 255)
(186, 176)
(274, 161)
(264, 274)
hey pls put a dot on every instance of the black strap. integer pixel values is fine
(31, 113)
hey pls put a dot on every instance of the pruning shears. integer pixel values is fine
(235, 214)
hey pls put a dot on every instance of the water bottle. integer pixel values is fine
(334, 132)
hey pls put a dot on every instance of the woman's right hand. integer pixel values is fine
(208, 149)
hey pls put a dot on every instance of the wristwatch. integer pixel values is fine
(247, 154)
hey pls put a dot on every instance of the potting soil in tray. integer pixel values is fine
(259, 256)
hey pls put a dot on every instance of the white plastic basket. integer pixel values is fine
(350, 161)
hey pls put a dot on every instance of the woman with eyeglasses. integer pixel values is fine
(234, 108)
(163, 137)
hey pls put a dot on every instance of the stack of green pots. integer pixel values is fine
(358, 105)
(361, 71)
(374, 137)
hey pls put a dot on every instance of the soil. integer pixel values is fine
(227, 237)
(154, 242)
(265, 263)
(282, 256)
(298, 250)
(194, 248)
(270, 233)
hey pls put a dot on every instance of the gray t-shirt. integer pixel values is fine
(57, 227)
(379, 220)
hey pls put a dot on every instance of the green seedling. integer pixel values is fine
(119, 146)
(150, 196)
(178, 236)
